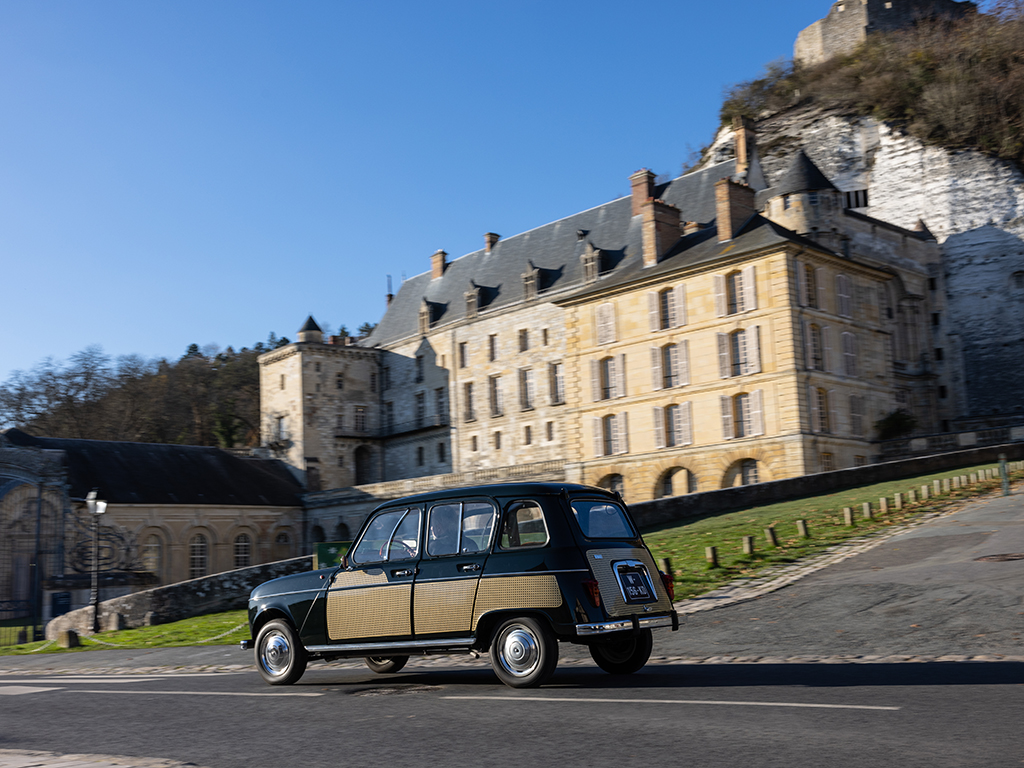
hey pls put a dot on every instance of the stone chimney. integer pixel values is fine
(490, 240)
(662, 228)
(734, 204)
(642, 184)
(438, 264)
(746, 144)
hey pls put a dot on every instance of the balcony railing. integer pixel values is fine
(396, 428)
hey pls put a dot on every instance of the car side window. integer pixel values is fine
(523, 526)
(391, 535)
(459, 528)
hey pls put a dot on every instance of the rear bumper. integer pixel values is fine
(633, 623)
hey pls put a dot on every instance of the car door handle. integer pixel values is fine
(466, 567)
(404, 572)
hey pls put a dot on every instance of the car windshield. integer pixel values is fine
(601, 520)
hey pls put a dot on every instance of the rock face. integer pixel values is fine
(973, 205)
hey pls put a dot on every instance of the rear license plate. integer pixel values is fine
(635, 584)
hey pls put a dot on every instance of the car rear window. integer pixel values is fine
(602, 520)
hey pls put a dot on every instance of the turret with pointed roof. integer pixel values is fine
(311, 332)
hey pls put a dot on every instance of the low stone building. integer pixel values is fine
(173, 513)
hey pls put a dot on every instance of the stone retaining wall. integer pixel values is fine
(677, 508)
(225, 591)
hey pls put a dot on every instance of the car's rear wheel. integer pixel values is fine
(383, 665)
(625, 655)
(280, 656)
(524, 653)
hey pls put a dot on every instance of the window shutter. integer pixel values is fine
(801, 287)
(683, 356)
(721, 307)
(680, 291)
(833, 412)
(849, 354)
(819, 278)
(749, 289)
(620, 376)
(598, 437)
(815, 417)
(826, 348)
(843, 294)
(657, 379)
(756, 412)
(595, 379)
(754, 349)
(808, 346)
(606, 324)
(623, 421)
(653, 311)
(659, 427)
(727, 428)
(724, 368)
(498, 404)
(685, 431)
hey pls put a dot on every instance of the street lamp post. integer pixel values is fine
(96, 508)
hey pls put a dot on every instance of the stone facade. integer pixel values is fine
(849, 22)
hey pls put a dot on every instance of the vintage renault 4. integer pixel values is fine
(508, 569)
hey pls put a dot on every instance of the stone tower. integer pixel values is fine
(849, 22)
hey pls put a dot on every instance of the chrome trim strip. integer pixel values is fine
(405, 582)
(460, 642)
(282, 594)
(448, 578)
(532, 573)
(622, 625)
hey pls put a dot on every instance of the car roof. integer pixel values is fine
(502, 489)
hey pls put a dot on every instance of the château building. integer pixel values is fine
(705, 332)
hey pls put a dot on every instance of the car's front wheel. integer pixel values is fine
(625, 655)
(280, 656)
(383, 665)
(524, 653)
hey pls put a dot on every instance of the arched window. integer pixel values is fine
(198, 556)
(748, 472)
(318, 534)
(243, 550)
(743, 415)
(613, 483)
(364, 465)
(734, 292)
(675, 482)
(673, 425)
(152, 554)
(810, 286)
(609, 377)
(844, 295)
(1017, 280)
(341, 533)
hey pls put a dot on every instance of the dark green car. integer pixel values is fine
(507, 569)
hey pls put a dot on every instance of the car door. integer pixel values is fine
(457, 539)
(371, 599)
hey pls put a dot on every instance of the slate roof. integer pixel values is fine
(310, 325)
(555, 249)
(151, 473)
(801, 176)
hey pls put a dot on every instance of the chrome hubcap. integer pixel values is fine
(519, 651)
(276, 654)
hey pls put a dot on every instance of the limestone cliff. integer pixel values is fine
(974, 206)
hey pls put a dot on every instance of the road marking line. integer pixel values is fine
(17, 690)
(674, 701)
(194, 693)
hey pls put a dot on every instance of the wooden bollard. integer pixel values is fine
(711, 553)
(956, 483)
(883, 505)
(898, 498)
(936, 487)
(770, 537)
(801, 528)
(911, 497)
(866, 510)
(947, 485)
(748, 545)
(963, 481)
(974, 478)
(924, 492)
(848, 516)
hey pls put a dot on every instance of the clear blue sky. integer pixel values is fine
(208, 172)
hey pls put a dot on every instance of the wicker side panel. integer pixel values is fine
(369, 612)
(444, 606)
(501, 592)
(358, 579)
(611, 595)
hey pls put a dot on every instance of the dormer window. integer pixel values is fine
(424, 318)
(591, 260)
(472, 301)
(530, 284)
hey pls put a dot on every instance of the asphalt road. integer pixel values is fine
(920, 594)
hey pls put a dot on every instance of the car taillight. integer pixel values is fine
(593, 592)
(670, 586)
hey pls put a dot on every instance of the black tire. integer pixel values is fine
(384, 665)
(625, 655)
(280, 655)
(524, 653)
